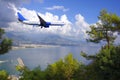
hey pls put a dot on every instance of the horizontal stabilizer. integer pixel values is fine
(20, 17)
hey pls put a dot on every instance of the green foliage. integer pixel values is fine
(3, 75)
(1, 33)
(103, 30)
(105, 64)
(35, 74)
(20, 68)
(5, 43)
(63, 69)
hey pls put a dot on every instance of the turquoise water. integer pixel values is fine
(33, 57)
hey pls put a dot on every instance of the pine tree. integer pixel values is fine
(105, 29)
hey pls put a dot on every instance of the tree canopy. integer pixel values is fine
(5, 43)
(63, 69)
(104, 30)
(3, 75)
(105, 64)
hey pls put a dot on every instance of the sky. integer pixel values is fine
(89, 9)
(77, 15)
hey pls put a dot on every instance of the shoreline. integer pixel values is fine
(23, 46)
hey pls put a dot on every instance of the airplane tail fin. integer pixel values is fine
(20, 17)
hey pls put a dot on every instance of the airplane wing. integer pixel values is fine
(57, 24)
(41, 23)
(25, 21)
(47, 24)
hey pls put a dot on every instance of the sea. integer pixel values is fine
(43, 56)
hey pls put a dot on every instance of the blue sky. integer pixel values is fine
(77, 15)
(88, 8)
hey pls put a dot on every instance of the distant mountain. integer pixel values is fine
(18, 39)
(58, 40)
(50, 39)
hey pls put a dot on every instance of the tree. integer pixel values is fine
(105, 64)
(3, 75)
(5, 43)
(35, 74)
(104, 30)
(63, 69)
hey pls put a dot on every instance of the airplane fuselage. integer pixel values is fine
(41, 22)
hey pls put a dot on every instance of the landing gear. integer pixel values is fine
(41, 26)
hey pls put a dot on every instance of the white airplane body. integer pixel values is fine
(41, 22)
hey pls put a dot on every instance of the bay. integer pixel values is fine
(42, 56)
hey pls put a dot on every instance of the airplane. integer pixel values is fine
(42, 23)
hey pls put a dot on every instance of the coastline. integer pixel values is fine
(23, 46)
